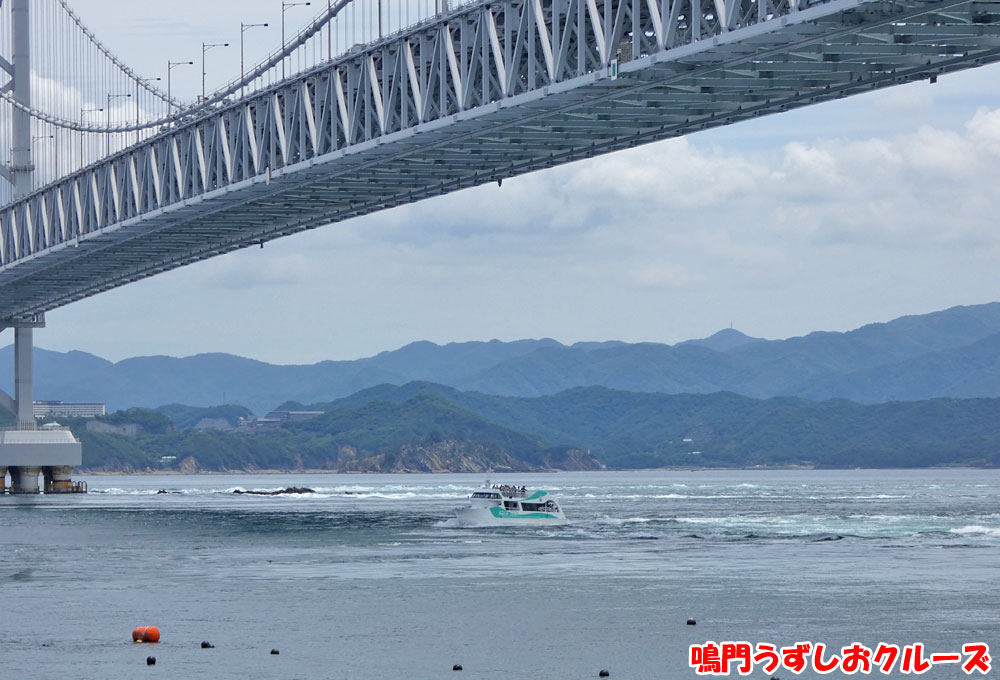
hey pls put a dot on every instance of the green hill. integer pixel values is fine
(427, 427)
(630, 429)
(425, 433)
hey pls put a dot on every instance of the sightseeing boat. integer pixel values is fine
(507, 505)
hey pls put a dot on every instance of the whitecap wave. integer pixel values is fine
(116, 491)
(976, 530)
(619, 521)
(319, 493)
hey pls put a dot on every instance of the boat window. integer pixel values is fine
(532, 507)
(510, 505)
(485, 494)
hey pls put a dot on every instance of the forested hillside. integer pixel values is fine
(429, 427)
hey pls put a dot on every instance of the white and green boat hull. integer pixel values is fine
(494, 508)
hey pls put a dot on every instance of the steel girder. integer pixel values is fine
(491, 90)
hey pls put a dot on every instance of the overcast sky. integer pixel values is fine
(826, 218)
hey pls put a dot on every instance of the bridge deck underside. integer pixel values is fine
(653, 98)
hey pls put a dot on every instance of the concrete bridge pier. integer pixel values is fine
(24, 479)
(58, 479)
(26, 450)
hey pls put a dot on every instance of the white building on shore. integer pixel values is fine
(65, 409)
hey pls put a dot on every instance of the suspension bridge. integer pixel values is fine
(379, 103)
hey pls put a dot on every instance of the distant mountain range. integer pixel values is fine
(951, 353)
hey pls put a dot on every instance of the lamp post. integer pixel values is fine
(111, 98)
(284, 6)
(84, 112)
(205, 47)
(55, 169)
(243, 29)
(171, 65)
(138, 82)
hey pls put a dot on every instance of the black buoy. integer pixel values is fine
(207, 645)
(692, 622)
(150, 660)
(457, 667)
(275, 652)
(604, 674)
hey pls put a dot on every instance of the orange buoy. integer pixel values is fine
(146, 634)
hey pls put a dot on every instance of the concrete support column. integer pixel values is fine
(24, 479)
(3, 480)
(23, 378)
(57, 479)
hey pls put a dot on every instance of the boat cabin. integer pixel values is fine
(517, 501)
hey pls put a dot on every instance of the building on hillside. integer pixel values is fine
(274, 420)
(263, 424)
(66, 409)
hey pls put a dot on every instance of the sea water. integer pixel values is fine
(362, 579)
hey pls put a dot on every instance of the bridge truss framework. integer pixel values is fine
(492, 89)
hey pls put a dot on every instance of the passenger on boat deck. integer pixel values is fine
(502, 488)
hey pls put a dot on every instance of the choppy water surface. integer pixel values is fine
(361, 580)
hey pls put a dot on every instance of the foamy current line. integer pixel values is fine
(319, 492)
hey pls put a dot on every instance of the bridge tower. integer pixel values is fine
(24, 450)
(22, 167)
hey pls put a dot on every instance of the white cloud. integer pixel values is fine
(924, 186)
(940, 154)
(670, 175)
(984, 129)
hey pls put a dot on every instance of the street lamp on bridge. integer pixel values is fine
(55, 157)
(111, 98)
(171, 65)
(138, 82)
(205, 47)
(243, 29)
(284, 6)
